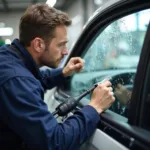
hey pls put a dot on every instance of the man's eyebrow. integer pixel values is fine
(63, 42)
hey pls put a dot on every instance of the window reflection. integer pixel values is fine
(115, 52)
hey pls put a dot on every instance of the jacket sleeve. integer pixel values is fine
(28, 116)
(52, 77)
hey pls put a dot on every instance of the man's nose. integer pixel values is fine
(65, 52)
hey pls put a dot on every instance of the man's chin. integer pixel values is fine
(56, 65)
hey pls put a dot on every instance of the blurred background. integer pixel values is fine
(78, 10)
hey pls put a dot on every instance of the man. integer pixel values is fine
(25, 121)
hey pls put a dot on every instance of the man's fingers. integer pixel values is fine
(105, 83)
(76, 67)
(110, 89)
(79, 65)
(77, 60)
(112, 93)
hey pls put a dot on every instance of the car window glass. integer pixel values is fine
(114, 52)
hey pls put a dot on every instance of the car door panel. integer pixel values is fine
(101, 141)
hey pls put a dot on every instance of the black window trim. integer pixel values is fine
(141, 91)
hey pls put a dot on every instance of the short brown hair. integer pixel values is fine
(40, 20)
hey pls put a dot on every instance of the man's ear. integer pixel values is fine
(39, 45)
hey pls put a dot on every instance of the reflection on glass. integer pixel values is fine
(114, 52)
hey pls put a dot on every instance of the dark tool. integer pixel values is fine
(65, 107)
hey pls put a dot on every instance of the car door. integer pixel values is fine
(115, 42)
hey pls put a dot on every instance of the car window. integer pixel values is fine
(114, 52)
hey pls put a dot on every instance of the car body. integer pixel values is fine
(115, 42)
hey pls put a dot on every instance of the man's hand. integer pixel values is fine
(75, 64)
(102, 97)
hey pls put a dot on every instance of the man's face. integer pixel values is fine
(57, 49)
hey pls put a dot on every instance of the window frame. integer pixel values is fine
(143, 91)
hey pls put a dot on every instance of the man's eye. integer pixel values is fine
(62, 44)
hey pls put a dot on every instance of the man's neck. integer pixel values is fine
(33, 55)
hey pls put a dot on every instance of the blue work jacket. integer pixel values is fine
(25, 122)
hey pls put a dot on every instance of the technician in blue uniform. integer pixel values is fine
(25, 122)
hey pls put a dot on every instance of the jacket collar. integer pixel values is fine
(29, 62)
